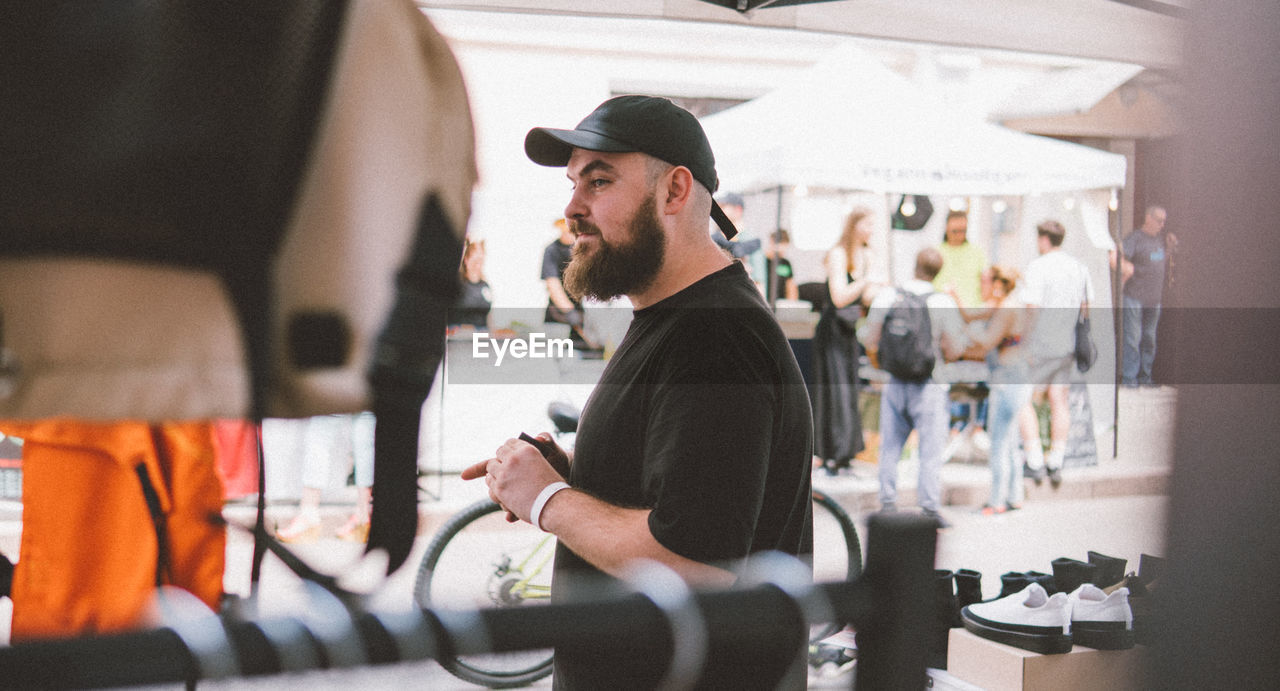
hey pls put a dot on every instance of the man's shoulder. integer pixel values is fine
(916, 287)
(1056, 262)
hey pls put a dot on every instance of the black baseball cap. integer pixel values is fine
(644, 124)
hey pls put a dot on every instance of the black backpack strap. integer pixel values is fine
(409, 350)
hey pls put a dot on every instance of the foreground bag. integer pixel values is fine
(110, 512)
(232, 211)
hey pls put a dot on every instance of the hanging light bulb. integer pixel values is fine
(1115, 200)
(999, 206)
(957, 204)
(1069, 203)
(908, 206)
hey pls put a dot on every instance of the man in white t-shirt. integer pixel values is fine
(1055, 286)
(919, 405)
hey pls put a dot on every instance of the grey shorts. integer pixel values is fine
(1053, 370)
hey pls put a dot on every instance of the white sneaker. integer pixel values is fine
(1099, 620)
(1030, 619)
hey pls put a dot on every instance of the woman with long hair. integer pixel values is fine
(475, 300)
(833, 393)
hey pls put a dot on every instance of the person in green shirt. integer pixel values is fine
(963, 265)
(962, 262)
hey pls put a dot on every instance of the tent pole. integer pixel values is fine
(889, 243)
(772, 281)
(1117, 324)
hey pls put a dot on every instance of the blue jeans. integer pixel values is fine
(1006, 471)
(1139, 342)
(923, 407)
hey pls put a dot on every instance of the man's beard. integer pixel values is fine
(626, 268)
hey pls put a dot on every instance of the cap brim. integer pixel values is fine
(550, 147)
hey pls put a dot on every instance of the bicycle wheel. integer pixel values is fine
(837, 551)
(477, 559)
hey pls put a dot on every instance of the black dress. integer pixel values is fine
(833, 391)
(472, 307)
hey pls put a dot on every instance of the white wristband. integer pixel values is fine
(535, 514)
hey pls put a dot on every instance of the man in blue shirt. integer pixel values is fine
(1142, 269)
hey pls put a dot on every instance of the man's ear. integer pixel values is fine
(679, 190)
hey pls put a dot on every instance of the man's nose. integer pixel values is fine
(576, 207)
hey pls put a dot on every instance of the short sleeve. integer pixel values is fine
(710, 430)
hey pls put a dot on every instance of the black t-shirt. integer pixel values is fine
(554, 260)
(702, 416)
(473, 305)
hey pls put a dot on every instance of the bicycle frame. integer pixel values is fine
(523, 589)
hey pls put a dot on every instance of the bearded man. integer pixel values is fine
(694, 449)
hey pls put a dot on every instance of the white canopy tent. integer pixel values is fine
(850, 123)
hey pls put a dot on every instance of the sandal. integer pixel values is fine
(356, 529)
(300, 529)
(989, 510)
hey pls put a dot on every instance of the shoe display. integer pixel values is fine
(1099, 620)
(968, 589)
(1110, 569)
(1144, 598)
(946, 615)
(1044, 580)
(1030, 619)
(1069, 574)
(1012, 582)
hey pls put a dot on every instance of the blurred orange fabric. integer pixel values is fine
(89, 553)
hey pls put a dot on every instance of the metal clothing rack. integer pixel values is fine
(889, 605)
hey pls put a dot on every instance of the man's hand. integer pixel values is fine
(515, 476)
(556, 456)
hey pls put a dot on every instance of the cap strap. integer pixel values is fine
(726, 226)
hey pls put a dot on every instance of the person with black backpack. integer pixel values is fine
(910, 329)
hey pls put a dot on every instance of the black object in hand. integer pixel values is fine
(545, 448)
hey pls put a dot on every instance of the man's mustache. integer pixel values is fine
(578, 227)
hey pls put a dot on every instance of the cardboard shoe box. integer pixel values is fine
(998, 667)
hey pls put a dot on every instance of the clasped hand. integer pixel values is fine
(517, 473)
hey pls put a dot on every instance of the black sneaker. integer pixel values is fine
(1055, 477)
(938, 520)
(1036, 474)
